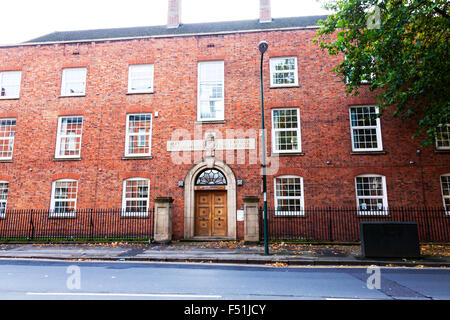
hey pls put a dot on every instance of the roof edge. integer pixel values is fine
(44, 43)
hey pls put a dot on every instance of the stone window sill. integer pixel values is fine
(67, 159)
(287, 154)
(209, 122)
(442, 151)
(137, 157)
(74, 96)
(141, 92)
(368, 152)
(285, 87)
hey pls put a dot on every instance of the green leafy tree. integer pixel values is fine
(400, 49)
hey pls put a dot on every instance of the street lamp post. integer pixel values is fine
(263, 48)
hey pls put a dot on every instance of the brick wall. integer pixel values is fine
(101, 170)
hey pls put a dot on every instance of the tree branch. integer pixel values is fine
(441, 12)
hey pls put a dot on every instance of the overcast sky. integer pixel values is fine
(22, 20)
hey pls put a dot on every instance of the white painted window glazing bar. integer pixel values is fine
(4, 185)
(283, 72)
(10, 84)
(371, 195)
(140, 78)
(68, 142)
(445, 188)
(365, 128)
(443, 137)
(211, 91)
(135, 198)
(286, 135)
(289, 196)
(7, 133)
(64, 198)
(73, 82)
(138, 135)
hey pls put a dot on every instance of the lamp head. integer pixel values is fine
(262, 46)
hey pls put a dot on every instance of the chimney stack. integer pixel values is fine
(265, 14)
(173, 18)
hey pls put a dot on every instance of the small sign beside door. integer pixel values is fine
(240, 215)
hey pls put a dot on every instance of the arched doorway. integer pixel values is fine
(210, 201)
(210, 204)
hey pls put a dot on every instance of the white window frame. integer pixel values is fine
(10, 139)
(385, 209)
(444, 197)
(5, 201)
(70, 214)
(3, 82)
(275, 130)
(139, 134)
(377, 127)
(301, 198)
(132, 76)
(60, 136)
(272, 63)
(126, 213)
(219, 115)
(65, 83)
(447, 125)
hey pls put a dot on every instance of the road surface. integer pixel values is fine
(89, 280)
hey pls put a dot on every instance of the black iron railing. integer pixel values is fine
(88, 225)
(328, 224)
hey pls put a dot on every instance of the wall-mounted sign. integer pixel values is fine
(211, 144)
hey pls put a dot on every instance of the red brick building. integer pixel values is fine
(115, 118)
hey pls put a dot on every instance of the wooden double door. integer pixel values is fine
(211, 213)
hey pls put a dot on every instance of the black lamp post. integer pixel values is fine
(263, 48)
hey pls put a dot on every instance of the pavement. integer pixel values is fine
(224, 252)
